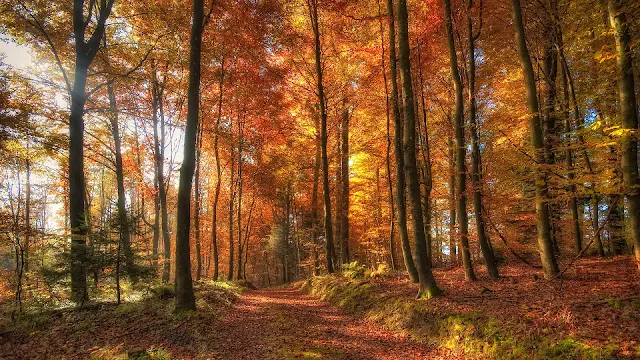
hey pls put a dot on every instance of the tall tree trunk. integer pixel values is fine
(239, 217)
(85, 52)
(159, 143)
(461, 149)
(401, 200)
(328, 227)
(453, 254)
(232, 196)
(392, 246)
(198, 204)
(549, 118)
(123, 221)
(344, 197)
(568, 154)
(629, 117)
(216, 196)
(185, 299)
(579, 123)
(485, 247)
(426, 158)
(545, 245)
(314, 198)
(27, 216)
(428, 287)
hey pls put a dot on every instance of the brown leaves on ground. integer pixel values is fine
(596, 301)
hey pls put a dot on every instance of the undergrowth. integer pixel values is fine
(470, 334)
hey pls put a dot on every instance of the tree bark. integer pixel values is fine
(629, 117)
(428, 287)
(545, 245)
(85, 52)
(314, 198)
(461, 168)
(123, 221)
(198, 204)
(392, 246)
(328, 227)
(344, 197)
(485, 247)
(401, 200)
(216, 196)
(185, 299)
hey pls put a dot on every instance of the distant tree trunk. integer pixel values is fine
(27, 218)
(85, 52)
(549, 118)
(392, 246)
(487, 252)
(344, 197)
(328, 227)
(159, 143)
(461, 151)
(314, 198)
(216, 196)
(545, 245)
(629, 117)
(428, 287)
(123, 221)
(198, 204)
(453, 256)
(426, 158)
(232, 196)
(568, 154)
(239, 217)
(579, 123)
(401, 200)
(185, 299)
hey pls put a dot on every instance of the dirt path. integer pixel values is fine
(286, 324)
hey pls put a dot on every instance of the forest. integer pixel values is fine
(319, 179)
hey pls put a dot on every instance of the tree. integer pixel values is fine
(185, 300)
(485, 246)
(399, 151)
(545, 245)
(460, 149)
(428, 287)
(328, 227)
(629, 119)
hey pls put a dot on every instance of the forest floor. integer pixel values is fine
(595, 307)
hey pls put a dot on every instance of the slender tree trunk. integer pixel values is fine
(239, 217)
(159, 143)
(198, 204)
(344, 197)
(392, 246)
(453, 255)
(401, 200)
(568, 154)
(185, 299)
(232, 196)
(314, 198)
(629, 117)
(216, 196)
(549, 117)
(428, 287)
(545, 245)
(27, 217)
(328, 227)
(123, 221)
(485, 247)
(461, 151)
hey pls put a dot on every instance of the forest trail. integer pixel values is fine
(287, 324)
